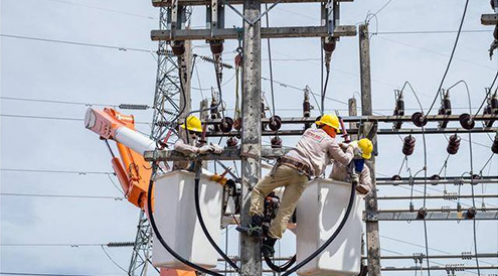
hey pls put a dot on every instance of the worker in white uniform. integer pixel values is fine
(310, 157)
(356, 170)
(191, 145)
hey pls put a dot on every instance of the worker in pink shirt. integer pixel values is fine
(316, 149)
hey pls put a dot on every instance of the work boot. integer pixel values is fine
(267, 250)
(255, 228)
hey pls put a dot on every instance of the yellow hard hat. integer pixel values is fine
(366, 148)
(193, 124)
(329, 120)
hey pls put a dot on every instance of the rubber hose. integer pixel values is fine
(331, 239)
(203, 225)
(160, 238)
(324, 92)
(281, 268)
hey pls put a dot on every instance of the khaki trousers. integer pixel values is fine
(294, 183)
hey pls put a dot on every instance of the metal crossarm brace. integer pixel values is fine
(389, 131)
(448, 267)
(167, 3)
(431, 215)
(489, 19)
(230, 154)
(373, 118)
(270, 32)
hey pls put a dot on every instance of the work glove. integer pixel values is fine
(217, 149)
(343, 146)
(205, 149)
(353, 145)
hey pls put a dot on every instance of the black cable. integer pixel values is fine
(56, 102)
(325, 90)
(182, 90)
(281, 268)
(487, 95)
(53, 118)
(332, 238)
(473, 202)
(78, 43)
(201, 220)
(54, 171)
(430, 32)
(321, 78)
(270, 64)
(160, 237)
(210, 108)
(451, 57)
(63, 196)
(48, 274)
(102, 9)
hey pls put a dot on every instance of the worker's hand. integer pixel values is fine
(217, 149)
(343, 146)
(353, 145)
(205, 149)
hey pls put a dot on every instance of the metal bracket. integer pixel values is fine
(252, 22)
(173, 18)
(370, 216)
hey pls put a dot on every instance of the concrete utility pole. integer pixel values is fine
(250, 248)
(369, 130)
(353, 112)
(185, 62)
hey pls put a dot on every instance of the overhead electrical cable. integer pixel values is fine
(101, 9)
(52, 118)
(63, 196)
(120, 48)
(54, 171)
(53, 274)
(451, 56)
(411, 45)
(430, 32)
(55, 101)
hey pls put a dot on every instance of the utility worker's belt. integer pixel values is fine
(300, 166)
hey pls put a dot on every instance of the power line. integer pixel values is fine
(53, 274)
(451, 56)
(63, 196)
(278, 109)
(429, 32)
(52, 118)
(57, 171)
(435, 52)
(53, 244)
(120, 106)
(101, 9)
(124, 49)
(55, 102)
(110, 244)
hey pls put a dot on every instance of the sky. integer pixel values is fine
(96, 74)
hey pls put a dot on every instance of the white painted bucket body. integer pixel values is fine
(319, 213)
(177, 220)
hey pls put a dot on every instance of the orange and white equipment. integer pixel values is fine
(132, 170)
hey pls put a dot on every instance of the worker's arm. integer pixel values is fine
(366, 180)
(189, 149)
(185, 148)
(339, 155)
(338, 171)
